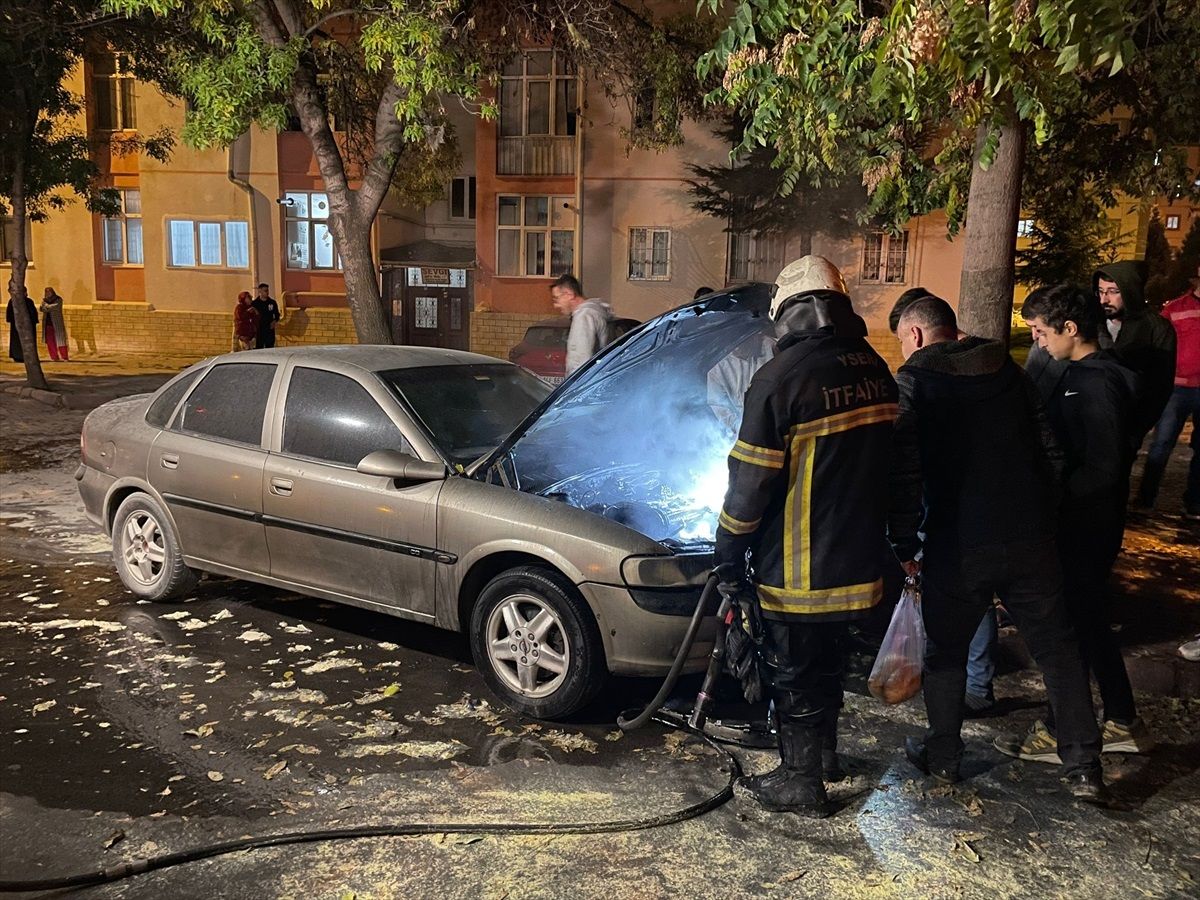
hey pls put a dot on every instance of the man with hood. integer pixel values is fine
(590, 321)
(973, 490)
(1090, 412)
(806, 503)
(1141, 339)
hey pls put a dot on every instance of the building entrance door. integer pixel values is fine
(431, 306)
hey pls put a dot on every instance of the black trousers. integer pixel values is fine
(804, 662)
(265, 339)
(957, 587)
(1088, 554)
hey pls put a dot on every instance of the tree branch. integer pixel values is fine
(389, 138)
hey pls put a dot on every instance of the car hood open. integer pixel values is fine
(635, 434)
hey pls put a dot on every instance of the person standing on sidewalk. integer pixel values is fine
(590, 321)
(1184, 314)
(268, 316)
(15, 351)
(981, 657)
(807, 500)
(973, 491)
(54, 327)
(1093, 414)
(245, 322)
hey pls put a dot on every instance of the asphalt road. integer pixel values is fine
(132, 729)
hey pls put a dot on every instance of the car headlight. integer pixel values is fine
(676, 570)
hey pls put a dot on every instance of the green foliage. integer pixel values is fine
(753, 194)
(39, 118)
(1160, 260)
(1072, 236)
(1187, 262)
(893, 91)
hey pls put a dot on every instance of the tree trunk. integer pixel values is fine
(16, 284)
(804, 239)
(994, 205)
(362, 281)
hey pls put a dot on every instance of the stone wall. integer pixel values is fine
(139, 327)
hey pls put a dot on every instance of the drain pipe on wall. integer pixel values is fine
(579, 120)
(253, 223)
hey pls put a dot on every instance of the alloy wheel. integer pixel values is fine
(527, 645)
(143, 547)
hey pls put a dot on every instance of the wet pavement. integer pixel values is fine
(133, 729)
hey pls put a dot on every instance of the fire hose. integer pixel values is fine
(129, 868)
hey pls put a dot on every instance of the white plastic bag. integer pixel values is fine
(896, 675)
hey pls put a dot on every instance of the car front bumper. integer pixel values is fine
(639, 642)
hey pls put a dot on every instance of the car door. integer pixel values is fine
(331, 527)
(208, 466)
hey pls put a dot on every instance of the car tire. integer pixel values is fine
(537, 644)
(146, 551)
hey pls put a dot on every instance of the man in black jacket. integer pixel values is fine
(268, 316)
(973, 470)
(807, 499)
(1140, 338)
(1094, 416)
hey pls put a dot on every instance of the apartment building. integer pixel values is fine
(552, 185)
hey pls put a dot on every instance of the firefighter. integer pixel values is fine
(804, 516)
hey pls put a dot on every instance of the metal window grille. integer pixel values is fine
(649, 254)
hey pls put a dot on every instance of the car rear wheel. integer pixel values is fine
(146, 550)
(537, 644)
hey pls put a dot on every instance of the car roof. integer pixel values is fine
(370, 357)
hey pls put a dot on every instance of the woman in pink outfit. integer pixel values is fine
(54, 326)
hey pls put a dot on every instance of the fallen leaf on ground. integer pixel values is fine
(215, 776)
(295, 629)
(252, 636)
(113, 838)
(42, 707)
(223, 614)
(175, 616)
(275, 770)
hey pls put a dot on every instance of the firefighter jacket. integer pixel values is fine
(808, 478)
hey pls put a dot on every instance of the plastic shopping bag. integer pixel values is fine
(896, 675)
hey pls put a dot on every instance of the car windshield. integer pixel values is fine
(546, 337)
(642, 435)
(468, 409)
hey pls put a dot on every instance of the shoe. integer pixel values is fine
(917, 754)
(1132, 738)
(1191, 650)
(977, 703)
(1038, 745)
(1088, 787)
(799, 788)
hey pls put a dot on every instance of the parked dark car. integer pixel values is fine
(543, 350)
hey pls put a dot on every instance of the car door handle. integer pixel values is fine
(169, 461)
(281, 487)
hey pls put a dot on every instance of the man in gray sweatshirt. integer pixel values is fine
(590, 321)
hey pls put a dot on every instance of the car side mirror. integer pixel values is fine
(401, 466)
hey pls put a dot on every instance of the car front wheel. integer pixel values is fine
(537, 644)
(146, 550)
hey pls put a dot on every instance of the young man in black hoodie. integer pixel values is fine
(1094, 414)
(973, 469)
(1141, 339)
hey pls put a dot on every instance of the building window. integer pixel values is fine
(1172, 223)
(208, 245)
(649, 254)
(123, 233)
(113, 91)
(755, 257)
(535, 236)
(537, 115)
(462, 197)
(1024, 228)
(885, 258)
(8, 239)
(308, 239)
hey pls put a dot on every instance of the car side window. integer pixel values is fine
(229, 404)
(333, 418)
(164, 404)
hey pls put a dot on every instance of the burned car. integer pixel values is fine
(567, 534)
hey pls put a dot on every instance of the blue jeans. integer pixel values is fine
(981, 665)
(1184, 402)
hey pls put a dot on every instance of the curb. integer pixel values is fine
(49, 398)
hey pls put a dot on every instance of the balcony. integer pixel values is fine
(536, 155)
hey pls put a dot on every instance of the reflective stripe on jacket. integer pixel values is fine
(808, 478)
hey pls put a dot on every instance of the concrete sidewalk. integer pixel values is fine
(87, 381)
